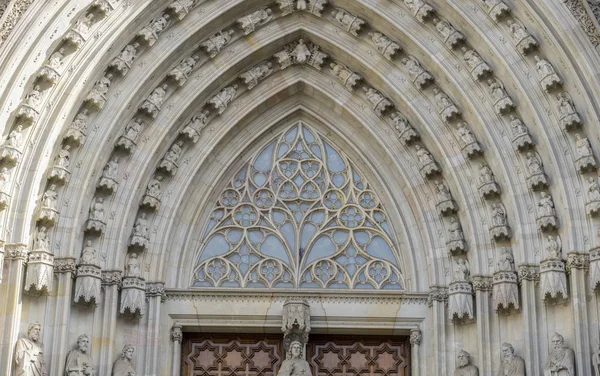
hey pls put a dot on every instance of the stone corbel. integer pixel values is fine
(295, 321)
(39, 277)
(460, 301)
(553, 278)
(88, 283)
(505, 290)
(133, 296)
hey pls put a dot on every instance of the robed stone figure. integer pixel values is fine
(511, 364)
(29, 358)
(561, 361)
(294, 364)
(79, 361)
(123, 365)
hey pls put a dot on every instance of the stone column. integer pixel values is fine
(176, 337)
(577, 265)
(64, 269)
(529, 275)
(11, 290)
(438, 298)
(483, 289)
(155, 294)
(111, 279)
(415, 342)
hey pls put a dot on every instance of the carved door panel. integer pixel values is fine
(262, 355)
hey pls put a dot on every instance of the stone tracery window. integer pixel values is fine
(299, 215)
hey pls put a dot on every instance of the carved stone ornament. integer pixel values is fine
(592, 205)
(387, 47)
(49, 72)
(595, 268)
(253, 76)
(478, 67)
(420, 9)
(80, 32)
(460, 301)
(546, 213)
(182, 71)
(445, 203)
(529, 272)
(40, 265)
(415, 337)
(301, 53)
(15, 251)
(553, 274)
(124, 365)
(65, 265)
(505, 290)
(181, 8)
(103, 7)
(255, 19)
(215, 44)
(88, 284)
(488, 187)
(122, 63)
(511, 364)
(97, 96)
(521, 139)
(585, 162)
(79, 361)
(111, 277)
(497, 9)
(469, 144)
(95, 222)
(139, 237)
(152, 105)
(452, 37)
(128, 140)
(48, 212)
(456, 242)
(464, 366)
(60, 171)
(197, 123)
(29, 109)
(152, 31)
(4, 188)
(133, 296)
(536, 177)
(311, 6)
(29, 358)
(481, 283)
(379, 103)
(348, 78)
(578, 260)
(549, 80)
(502, 101)
(11, 149)
(348, 21)
(427, 165)
(156, 290)
(420, 77)
(222, 100)
(446, 108)
(108, 180)
(406, 132)
(437, 294)
(151, 199)
(77, 131)
(169, 162)
(176, 333)
(295, 321)
(524, 41)
(499, 229)
(568, 115)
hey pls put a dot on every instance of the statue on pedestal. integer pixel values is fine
(561, 361)
(123, 365)
(463, 368)
(511, 365)
(29, 358)
(79, 361)
(294, 363)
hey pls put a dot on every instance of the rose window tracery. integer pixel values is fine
(299, 215)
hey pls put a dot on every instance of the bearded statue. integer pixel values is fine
(463, 368)
(511, 364)
(561, 361)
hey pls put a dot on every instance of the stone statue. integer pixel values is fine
(518, 31)
(133, 266)
(583, 146)
(15, 138)
(223, 98)
(133, 129)
(486, 175)
(195, 125)
(413, 66)
(29, 358)
(63, 159)
(424, 156)
(254, 75)
(294, 363)
(344, 75)
(553, 247)
(561, 361)
(184, 68)
(88, 255)
(41, 242)
(123, 366)
(498, 215)
(455, 230)
(506, 261)
(442, 191)
(517, 126)
(111, 169)
(250, 22)
(463, 368)
(301, 52)
(350, 22)
(174, 153)
(97, 210)
(593, 191)
(546, 205)
(79, 361)
(461, 271)
(154, 186)
(4, 178)
(497, 89)
(565, 104)
(534, 165)
(56, 59)
(465, 134)
(544, 68)
(141, 226)
(80, 121)
(33, 99)
(129, 53)
(511, 364)
(215, 44)
(50, 198)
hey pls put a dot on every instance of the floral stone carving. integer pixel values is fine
(348, 78)
(379, 103)
(406, 133)
(385, 45)
(420, 77)
(133, 296)
(152, 31)
(348, 21)
(215, 44)
(253, 76)
(488, 187)
(524, 41)
(192, 129)
(420, 9)
(569, 117)
(255, 19)
(301, 53)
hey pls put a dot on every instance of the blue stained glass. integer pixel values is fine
(289, 234)
(264, 161)
(282, 149)
(362, 237)
(234, 235)
(335, 163)
(316, 149)
(273, 247)
(291, 135)
(340, 237)
(255, 236)
(308, 136)
(307, 233)
(380, 248)
(216, 246)
(322, 248)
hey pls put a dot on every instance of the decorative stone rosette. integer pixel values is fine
(40, 272)
(460, 301)
(553, 278)
(88, 284)
(133, 296)
(505, 291)
(595, 268)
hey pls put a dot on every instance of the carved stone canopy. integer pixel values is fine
(295, 321)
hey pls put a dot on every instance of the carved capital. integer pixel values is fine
(154, 289)
(15, 251)
(65, 265)
(578, 260)
(415, 337)
(437, 294)
(529, 272)
(176, 333)
(111, 277)
(481, 282)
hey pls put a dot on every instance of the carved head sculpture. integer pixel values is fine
(558, 341)
(83, 343)
(508, 351)
(33, 332)
(462, 359)
(127, 352)
(295, 351)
